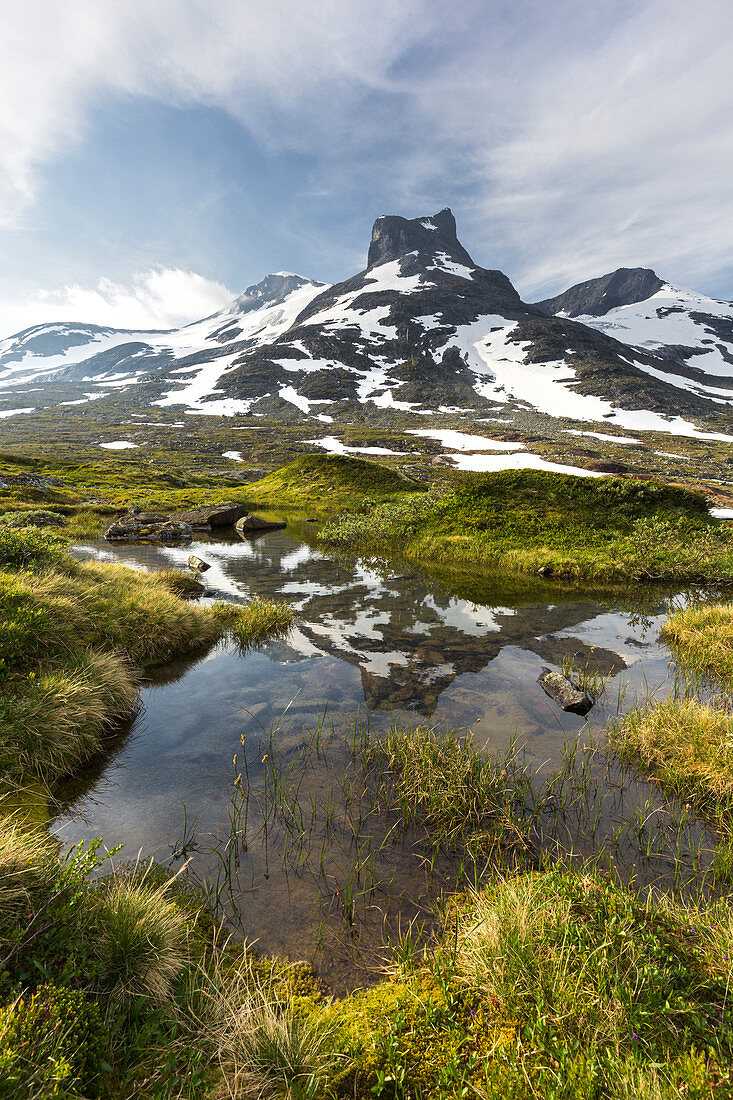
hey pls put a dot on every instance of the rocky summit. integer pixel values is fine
(422, 331)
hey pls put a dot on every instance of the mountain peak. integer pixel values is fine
(393, 237)
(593, 298)
(271, 290)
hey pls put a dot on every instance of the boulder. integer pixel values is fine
(130, 530)
(252, 525)
(564, 691)
(211, 516)
(197, 564)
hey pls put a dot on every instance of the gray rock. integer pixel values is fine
(130, 530)
(252, 525)
(211, 516)
(564, 691)
(197, 564)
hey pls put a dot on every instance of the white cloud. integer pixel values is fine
(162, 298)
(573, 137)
(291, 72)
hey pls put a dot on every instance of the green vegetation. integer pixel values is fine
(569, 527)
(329, 482)
(687, 746)
(702, 638)
(544, 984)
(549, 982)
(74, 636)
(259, 620)
(439, 780)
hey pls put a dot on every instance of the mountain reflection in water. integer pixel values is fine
(388, 644)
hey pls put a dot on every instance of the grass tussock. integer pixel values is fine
(55, 721)
(75, 634)
(437, 780)
(702, 638)
(257, 621)
(609, 529)
(267, 1049)
(686, 745)
(142, 946)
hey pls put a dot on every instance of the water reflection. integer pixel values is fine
(383, 643)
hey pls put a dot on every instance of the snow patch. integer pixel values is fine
(462, 441)
(488, 463)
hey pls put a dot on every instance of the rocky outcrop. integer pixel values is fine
(211, 516)
(134, 529)
(254, 525)
(137, 526)
(595, 297)
(394, 237)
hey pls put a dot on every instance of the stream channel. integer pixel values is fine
(292, 855)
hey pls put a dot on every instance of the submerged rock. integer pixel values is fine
(564, 691)
(252, 525)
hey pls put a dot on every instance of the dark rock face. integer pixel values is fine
(394, 237)
(597, 296)
(215, 515)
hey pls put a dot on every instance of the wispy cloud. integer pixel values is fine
(571, 137)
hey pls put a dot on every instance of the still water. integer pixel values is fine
(371, 644)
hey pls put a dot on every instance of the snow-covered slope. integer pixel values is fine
(190, 359)
(690, 333)
(422, 330)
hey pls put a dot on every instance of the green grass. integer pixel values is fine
(569, 527)
(76, 634)
(702, 639)
(257, 621)
(687, 746)
(329, 482)
(438, 780)
(547, 984)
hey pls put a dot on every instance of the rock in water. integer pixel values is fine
(129, 530)
(197, 564)
(252, 525)
(213, 515)
(564, 691)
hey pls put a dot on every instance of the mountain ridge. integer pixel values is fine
(421, 330)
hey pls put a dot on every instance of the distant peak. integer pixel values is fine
(594, 298)
(393, 237)
(271, 290)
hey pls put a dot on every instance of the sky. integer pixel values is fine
(158, 156)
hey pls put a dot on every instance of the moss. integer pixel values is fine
(330, 481)
(51, 1044)
(563, 526)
